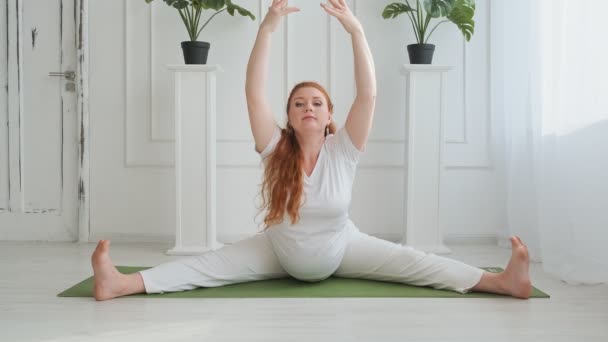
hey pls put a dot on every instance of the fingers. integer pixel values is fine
(276, 11)
(279, 9)
(336, 8)
(336, 4)
(281, 5)
(516, 240)
(330, 10)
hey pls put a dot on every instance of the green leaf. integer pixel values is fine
(190, 11)
(209, 4)
(241, 10)
(438, 8)
(178, 4)
(462, 15)
(395, 9)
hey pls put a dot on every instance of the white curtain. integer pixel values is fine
(550, 88)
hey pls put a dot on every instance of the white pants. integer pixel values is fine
(365, 257)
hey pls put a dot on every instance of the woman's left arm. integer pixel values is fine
(359, 121)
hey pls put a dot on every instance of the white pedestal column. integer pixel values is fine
(425, 106)
(195, 162)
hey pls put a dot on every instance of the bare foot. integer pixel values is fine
(515, 277)
(108, 280)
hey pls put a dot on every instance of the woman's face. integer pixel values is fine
(309, 111)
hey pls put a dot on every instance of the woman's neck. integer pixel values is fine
(310, 146)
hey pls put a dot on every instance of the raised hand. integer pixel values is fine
(339, 10)
(276, 11)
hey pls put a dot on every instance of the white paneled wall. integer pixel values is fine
(132, 190)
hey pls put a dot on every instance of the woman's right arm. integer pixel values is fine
(260, 115)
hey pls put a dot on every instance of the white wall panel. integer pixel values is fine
(237, 195)
(377, 204)
(141, 150)
(387, 40)
(340, 78)
(138, 98)
(4, 157)
(163, 49)
(308, 50)
(471, 148)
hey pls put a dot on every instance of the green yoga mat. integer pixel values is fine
(293, 288)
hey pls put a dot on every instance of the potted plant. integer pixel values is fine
(195, 52)
(460, 12)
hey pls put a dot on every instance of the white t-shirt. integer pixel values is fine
(312, 249)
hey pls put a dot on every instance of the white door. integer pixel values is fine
(38, 122)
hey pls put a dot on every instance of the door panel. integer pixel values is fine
(38, 154)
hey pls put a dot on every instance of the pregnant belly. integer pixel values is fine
(310, 268)
(311, 255)
(308, 261)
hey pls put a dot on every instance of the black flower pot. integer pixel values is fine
(421, 53)
(195, 52)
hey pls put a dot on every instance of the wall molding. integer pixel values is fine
(140, 150)
(169, 239)
(470, 239)
(474, 154)
(5, 49)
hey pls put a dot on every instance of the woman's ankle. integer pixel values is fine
(133, 284)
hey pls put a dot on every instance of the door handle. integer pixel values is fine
(69, 75)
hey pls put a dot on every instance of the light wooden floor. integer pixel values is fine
(33, 273)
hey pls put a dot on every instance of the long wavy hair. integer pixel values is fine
(282, 188)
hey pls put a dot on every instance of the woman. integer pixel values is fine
(309, 171)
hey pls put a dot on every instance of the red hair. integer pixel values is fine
(282, 187)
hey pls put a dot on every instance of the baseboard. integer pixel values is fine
(158, 238)
(132, 237)
(232, 238)
(504, 241)
(31, 235)
(470, 239)
(392, 237)
(451, 239)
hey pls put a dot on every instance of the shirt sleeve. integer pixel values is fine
(276, 136)
(343, 145)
